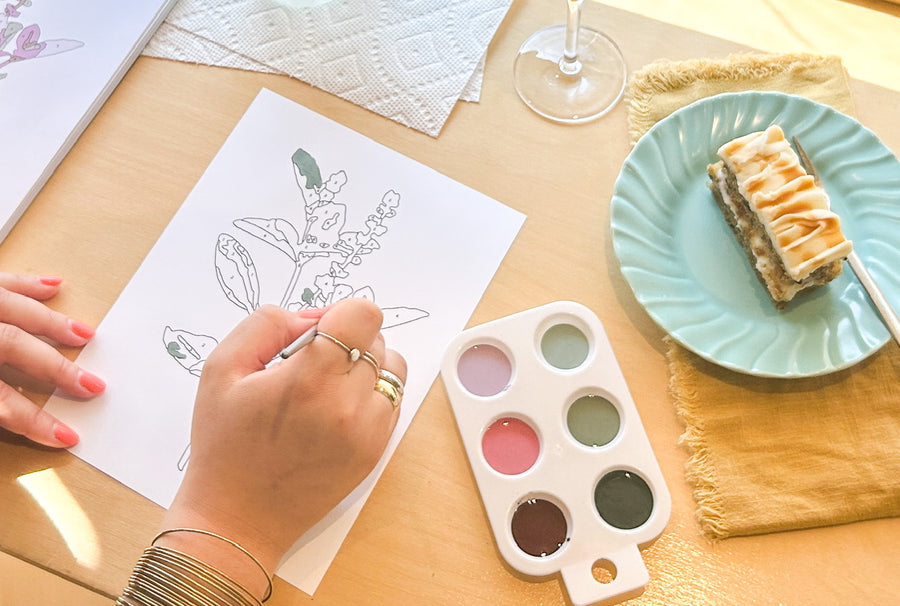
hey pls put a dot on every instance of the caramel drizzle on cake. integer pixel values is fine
(782, 218)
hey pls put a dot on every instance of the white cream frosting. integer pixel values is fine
(763, 260)
(796, 213)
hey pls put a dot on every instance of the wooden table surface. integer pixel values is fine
(423, 536)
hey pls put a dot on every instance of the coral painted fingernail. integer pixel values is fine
(91, 382)
(311, 312)
(51, 280)
(81, 329)
(65, 434)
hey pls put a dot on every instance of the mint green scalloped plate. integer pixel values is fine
(687, 270)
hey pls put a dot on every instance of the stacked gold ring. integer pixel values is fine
(387, 383)
(390, 386)
(368, 357)
(352, 352)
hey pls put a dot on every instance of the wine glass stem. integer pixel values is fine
(569, 63)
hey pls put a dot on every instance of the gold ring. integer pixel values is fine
(389, 377)
(389, 390)
(352, 352)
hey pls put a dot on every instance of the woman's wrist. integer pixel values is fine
(203, 558)
(244, 519)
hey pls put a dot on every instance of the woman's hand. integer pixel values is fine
(23, 320)
(273, 449)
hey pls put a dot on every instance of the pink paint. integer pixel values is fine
(484, 370)
(510, 446)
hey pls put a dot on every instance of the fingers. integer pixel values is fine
(349, 342)
(257, 339)
(36, 287)
(348, 330)
(260, 337)
(40, 360)
(395, 364)
(36, 318)
(376, 357)
(23, 318)
(20, 415)
(347, 347)
(378, 412)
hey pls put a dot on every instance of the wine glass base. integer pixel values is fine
(572, 99)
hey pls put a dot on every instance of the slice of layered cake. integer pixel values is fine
(781, 217)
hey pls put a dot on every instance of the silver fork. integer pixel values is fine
(881, 303)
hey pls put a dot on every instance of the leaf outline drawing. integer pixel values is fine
(236, 273)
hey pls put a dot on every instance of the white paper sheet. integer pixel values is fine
(439, 245)
(59, 62)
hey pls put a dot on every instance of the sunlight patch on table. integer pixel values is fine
(66, 514)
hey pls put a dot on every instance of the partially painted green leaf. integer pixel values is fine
(306, 170)
(188, 349)
(174, 349)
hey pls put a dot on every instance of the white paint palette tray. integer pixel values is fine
(567, 476)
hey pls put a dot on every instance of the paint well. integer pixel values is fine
(564, 346)
(593, 420)
(510, 446)
(539, 527)
(484, 370)
(623, 499)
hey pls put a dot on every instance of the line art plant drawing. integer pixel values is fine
(323, 251)
(28, 43)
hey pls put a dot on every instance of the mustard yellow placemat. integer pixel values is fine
(658, 89)
(777, 454)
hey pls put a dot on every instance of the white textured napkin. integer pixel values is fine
(410, 61)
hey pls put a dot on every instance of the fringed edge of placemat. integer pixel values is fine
(659, 77)
(699, 469)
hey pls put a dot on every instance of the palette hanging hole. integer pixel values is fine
(604, 571)
(623, 499)
(565, 346)
(484, 370)
(510, 446)
(593, 420)
(539, 527)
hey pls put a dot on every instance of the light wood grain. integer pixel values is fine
(423, 536)
(23, 583)
(863, 33)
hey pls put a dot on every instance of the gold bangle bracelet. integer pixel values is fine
(234, 544)
(164, 576)
(149, 584)
(168, 557)
(181, 584)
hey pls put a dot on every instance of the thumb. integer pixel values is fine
(259, 338)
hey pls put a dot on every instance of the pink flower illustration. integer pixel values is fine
(28, 45)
